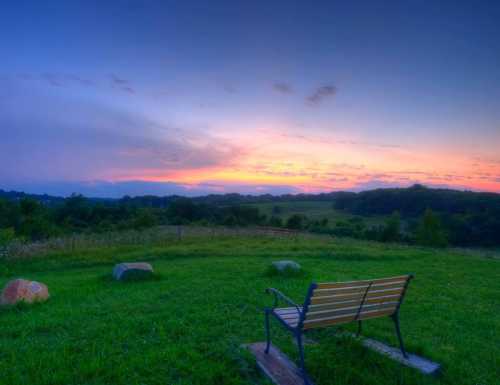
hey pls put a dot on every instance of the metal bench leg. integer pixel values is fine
(268, 331)
(395, 318)
(301, 358)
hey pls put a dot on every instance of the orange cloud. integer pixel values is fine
(314, 164)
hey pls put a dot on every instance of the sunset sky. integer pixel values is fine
(108, 98)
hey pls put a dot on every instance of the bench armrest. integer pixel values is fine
(280, 296)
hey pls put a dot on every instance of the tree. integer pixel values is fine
(183, 210)
(6, 236)
(33, 222)
(29, 207)
(296, 222)
(144, 218)
(275, 221)
(392, 229)
(75, 213)
(9, 213)
(343, 229)
(430, 232)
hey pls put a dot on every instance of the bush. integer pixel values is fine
(296, 222)
(392, 229)
(319, 226)
(430, 231)
(144, 219)
(6, 236)
(275, 221)
(344, 229)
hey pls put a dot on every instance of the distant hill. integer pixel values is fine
(231, 199)
(48, 200)
(164, 201)
(409, 202)
(413, 201)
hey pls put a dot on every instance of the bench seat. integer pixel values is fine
(288, 315)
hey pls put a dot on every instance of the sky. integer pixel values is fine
(108, 98)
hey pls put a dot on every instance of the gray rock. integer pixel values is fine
(282, 266)
(128, 271)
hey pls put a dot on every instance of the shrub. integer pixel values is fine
(296, 222)
(430, 231)
(392, 229)
(275, 221)
(6, 236)
(145, 218)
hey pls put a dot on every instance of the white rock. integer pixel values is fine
(286, 265)
(136, 270)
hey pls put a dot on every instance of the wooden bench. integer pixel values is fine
(330, 304)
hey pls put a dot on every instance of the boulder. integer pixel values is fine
(23, 290)
(132, 271)
(282, 266)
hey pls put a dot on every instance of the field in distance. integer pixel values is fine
(314, 210)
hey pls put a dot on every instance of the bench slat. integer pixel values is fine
(358, 289)
(353, 310)
(336, 285)
(289, 316)
(359, 296)
(286, 310)
(346, 319)
(356, 302)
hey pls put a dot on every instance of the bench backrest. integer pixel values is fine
(342, 302)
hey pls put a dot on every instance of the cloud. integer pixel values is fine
(58, 79)
(283, 88)
(121, 84)
(130, 90)
(85, 141)
(320, 94)
(328, 140)
(180, 150)
(81, 80)
(488, 161)
(53, 79)
(118, 81)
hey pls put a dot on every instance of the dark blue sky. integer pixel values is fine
(193, 96)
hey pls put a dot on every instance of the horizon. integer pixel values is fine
(115, 195)
(165, 98)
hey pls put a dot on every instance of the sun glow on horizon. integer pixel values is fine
(320, 164)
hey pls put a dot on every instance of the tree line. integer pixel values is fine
(29, 219)
(416, 215)
(466, 218)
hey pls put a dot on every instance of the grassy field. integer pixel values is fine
(314, 210)
(186, 325)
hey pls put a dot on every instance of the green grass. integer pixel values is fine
(186, 325)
